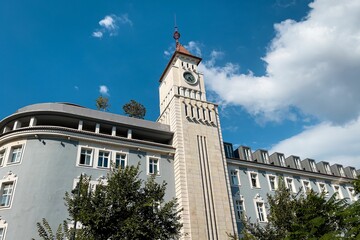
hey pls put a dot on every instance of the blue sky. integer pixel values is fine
(285, 72)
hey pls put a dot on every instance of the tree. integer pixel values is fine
(301, 216)
(134, 109)
(102, 103)
(124, 208)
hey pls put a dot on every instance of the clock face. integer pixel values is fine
(189, 78)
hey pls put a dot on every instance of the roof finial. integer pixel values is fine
(176, 33)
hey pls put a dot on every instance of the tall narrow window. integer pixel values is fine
(103, 159)
(247, 154)
(234, 177)
(352, 194)
(254, 180)
(186, 109)
(204, 113)
(313, 166)
(307, 186)
(6, 194)
(153, 166)
(354, 173)
(265, 157)
(290, 184)
(341, 171)
(327, 168)
(281, 160)
(297, 163)
(260, 208)
(15, 154)
(338, 192)
(120, 160)
(272, 183)
(322, 188)
(2, 157)
(192, 111)
(239, 208)
(198, 112)
(1, 233)
(86, 157)
(210, 115)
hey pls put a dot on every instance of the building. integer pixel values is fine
(44, 148)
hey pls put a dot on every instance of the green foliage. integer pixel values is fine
(102, 103)
(356, 184)
(310, 216)
(125, 208)
(134, 109)
(46, 233)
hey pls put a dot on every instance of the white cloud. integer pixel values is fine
(97, 34)
(194, 48)
(76, 87)
(312, 65)
(110, 25)
(104, 90)
(326, 142)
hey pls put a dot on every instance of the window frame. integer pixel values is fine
(339, 194)
(352, 196)
(235, 176)
(306, 187)
(3, 226)
(149, 163)
(2, 158)
(297, 163)
(269, 176)
(239, 209)
(104, 159)
(10, 178)
(321, 190)
(92, 154)
(19, 154)
(281, 159)
(257, 179)
(125, 160)
(313, 166)
(327, 168)
(292, 189)
(262, 212)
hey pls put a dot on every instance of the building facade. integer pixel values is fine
(44, 148)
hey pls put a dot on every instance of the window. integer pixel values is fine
(354, 173)
(103, 159)
(86, 157)
(265, 157)
(254, 180)
(272, 182)
(338, 192)
(120, 160)
(327, 168)
(234, 175)
(260, 208)
(313, 166)
(15, 154)
(352, 194)
(281, 160)
(228, 150)
(297, 163)
(2, 233)
(239, 209)
(6, 194)
(2, 156)
(153, 166)
(247, 154)
(322, 188)
(341, 171)
(290, 184)
(306, 185)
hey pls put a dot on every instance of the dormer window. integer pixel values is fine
(327, 168)
(297, 163)
(281, 160)
(313, 166)
(341, 171)
(265, 157)
(354, 173)
(247, 154)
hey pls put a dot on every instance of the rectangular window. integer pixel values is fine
(272, 183)
(313, 166)
(86, 157)
(254, 180)
(234, 177)
(239, 208)
(6, 194)
(327, 168)
(281, 160)
(15, 154)
(265, 157)
(2, 157)
(210, 115)
(120, 160)
(354, 173)
(228, 151)
(352, 194)
(297, 163)
(322, 188)
(247, 154)
(2, 233)
(153, 166)
(338, 192)
(341, 171)
(306, 185)
(260, 208)
(290, 184)
(103, 159)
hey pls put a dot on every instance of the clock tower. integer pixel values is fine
(201, 180)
